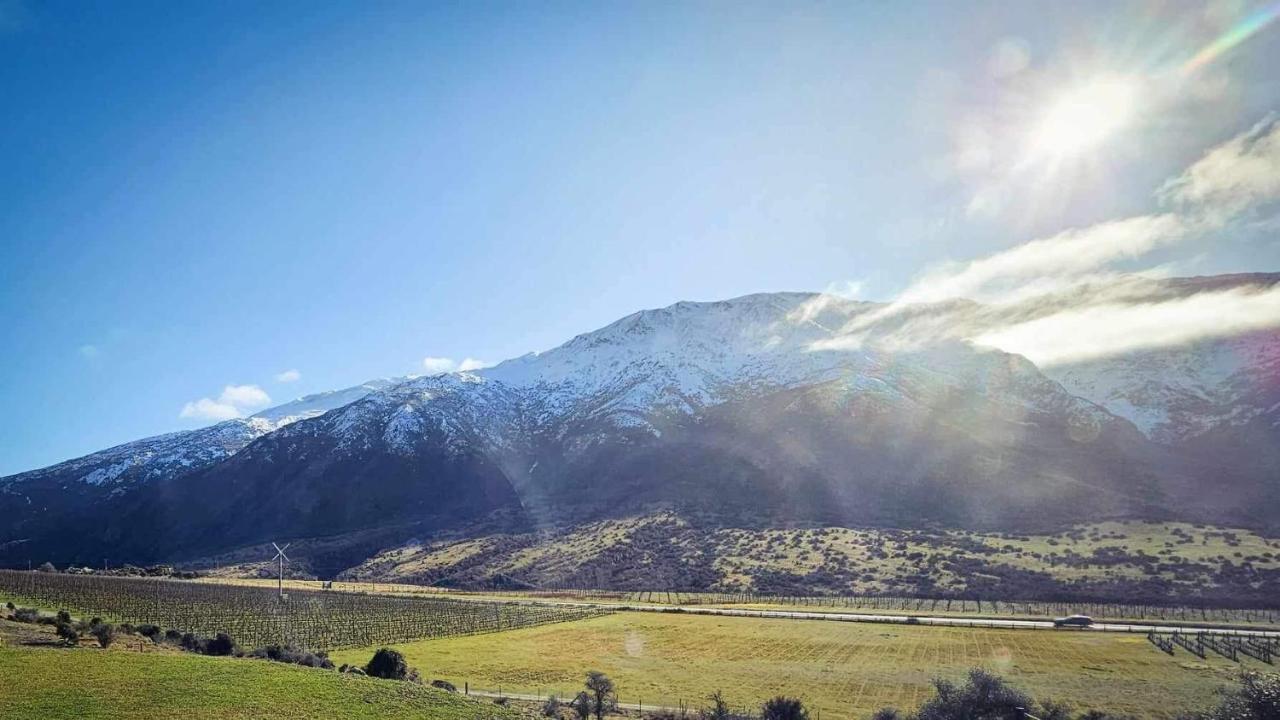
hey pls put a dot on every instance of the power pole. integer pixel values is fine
(281, 557)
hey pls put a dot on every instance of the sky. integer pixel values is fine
(208, 208)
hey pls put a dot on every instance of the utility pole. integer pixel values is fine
(281, 557)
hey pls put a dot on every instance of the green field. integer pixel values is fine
(845, 669)
(90, 683)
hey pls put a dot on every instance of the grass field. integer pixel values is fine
(91, 684)
(844, 669)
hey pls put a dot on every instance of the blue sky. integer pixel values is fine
(197, 195)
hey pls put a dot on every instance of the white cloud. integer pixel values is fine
(1068, 255)
(847, 289)
(1229, 178)
(1081, 333)
(235, 401)
(437, 365)
(288, 376)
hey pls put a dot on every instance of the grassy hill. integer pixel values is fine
(45, 683)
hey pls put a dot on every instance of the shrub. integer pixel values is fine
(105, 633)
(64, 616)
(172, 636)
(127, 628)
(26, 615)
(192, 642)
(68, 633)
(444, 685)
(1258, 698)
(149, 630)
(982, 696)
(220, 645)
(295, 656)
(551, 708)
(10, 605)
(783, 708)
(388, 664)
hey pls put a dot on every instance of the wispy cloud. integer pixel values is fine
(1234, 176)
(235, 401)
(1064, 298)
(1097, 331)
(288, 376)
(469, 364)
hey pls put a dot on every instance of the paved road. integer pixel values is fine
(901, 619)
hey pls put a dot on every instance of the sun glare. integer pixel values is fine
(1083, 118)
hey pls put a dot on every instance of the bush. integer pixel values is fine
(1258, 698)
(295, 656)
(220, 645)
(149, 630)
(388, 664)
(104, 632)
(192, 642)
(26, 615)
(982, 696)
(172, 636)
(783, 708)
(10, 605)
(64, 616)
(69, 634)
(551, 708)
(444, 685)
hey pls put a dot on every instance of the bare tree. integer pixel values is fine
(603, 697)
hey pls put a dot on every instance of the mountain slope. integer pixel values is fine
(757, 411)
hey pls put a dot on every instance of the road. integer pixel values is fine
(1143, 628)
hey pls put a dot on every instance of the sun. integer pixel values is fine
(1083, 118)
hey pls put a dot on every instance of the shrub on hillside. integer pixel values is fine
(1257, 698)
(104, 632)
(390, 665)
(64, 616)
(444, 685)
(149, 630)
(783, 708)
(173, 636)
(983, 695)
(293, 655)
(192, 642)
(220, 645)
(68, 633)
(26, 615)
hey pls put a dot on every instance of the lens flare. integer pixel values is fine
(1082, 118)
(1242, 31)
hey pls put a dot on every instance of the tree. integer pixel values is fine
(783, 708)
(582, 705)
(388, 664)
(221, 644)
(68, 633)
(602, 694)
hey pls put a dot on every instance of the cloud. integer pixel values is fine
(1232, 177)
(235, 401)
(1068, 255)
(437, 365)
(1097, 331)
(89, 351)
(288, 376)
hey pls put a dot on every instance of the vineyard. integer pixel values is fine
(977, 607)
(256, 616)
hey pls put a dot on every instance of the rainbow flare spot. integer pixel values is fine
(1242, 31)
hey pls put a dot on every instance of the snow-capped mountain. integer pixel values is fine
(174, 453)
(758, 409)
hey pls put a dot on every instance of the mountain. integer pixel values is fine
(768, 410)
